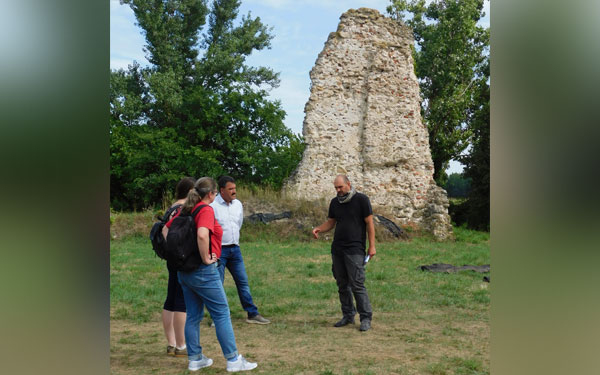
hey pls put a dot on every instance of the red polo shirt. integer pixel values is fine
(206, 218)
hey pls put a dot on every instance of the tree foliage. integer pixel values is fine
(477, 162)
(449, 50)
(198, 109)
(458, 186)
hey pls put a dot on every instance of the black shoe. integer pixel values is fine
(365, 324)
(345, 321)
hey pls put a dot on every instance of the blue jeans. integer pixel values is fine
(231, 257)
(203, 287)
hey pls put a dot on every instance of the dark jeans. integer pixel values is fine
(349, 273)
(231, 257)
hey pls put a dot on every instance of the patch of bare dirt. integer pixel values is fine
(309, 345)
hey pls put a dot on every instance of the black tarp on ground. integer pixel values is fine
(391, 226)
(266, 217)
(448, 268)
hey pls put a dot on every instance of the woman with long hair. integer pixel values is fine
(173, 314)
(202, 286)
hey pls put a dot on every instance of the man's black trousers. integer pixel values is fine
(349, 273)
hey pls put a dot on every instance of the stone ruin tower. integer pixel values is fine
(363, 119)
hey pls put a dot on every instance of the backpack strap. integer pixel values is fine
(197, 210)
(169, 212)
(194, 214)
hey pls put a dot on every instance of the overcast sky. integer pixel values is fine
(300, 28)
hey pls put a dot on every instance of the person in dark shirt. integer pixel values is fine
(352, 216)
(174, 312)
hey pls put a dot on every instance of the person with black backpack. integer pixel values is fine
(193, 238)
(174, 312)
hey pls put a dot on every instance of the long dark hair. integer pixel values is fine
(183, 187)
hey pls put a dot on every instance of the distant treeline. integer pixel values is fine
(465, 205)
(457, 186)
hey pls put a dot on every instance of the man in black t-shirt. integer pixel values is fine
(351, 214)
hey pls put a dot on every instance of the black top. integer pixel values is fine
(350, 230)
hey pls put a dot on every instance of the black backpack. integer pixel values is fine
(182, 243)
(159, 244)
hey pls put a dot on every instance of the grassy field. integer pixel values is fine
(423, 323)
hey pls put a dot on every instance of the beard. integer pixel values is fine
(346, 197)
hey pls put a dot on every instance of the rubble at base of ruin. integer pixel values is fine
(363, 119)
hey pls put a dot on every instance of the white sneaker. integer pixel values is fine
(197, 365)
(240, 364)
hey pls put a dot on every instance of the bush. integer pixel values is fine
(458, 211)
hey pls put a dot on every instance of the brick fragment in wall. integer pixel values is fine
(363, 117)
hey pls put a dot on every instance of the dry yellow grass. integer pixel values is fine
(396, 344)
(305, 215)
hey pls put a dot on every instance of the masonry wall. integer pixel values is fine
(363, 119)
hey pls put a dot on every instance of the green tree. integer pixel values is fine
(477, 162)
(170, 28)
(449, 49)
(146, 163)
(199, 109)
(129, 99)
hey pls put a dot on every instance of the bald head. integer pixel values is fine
(343, 178)
(342, 184)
